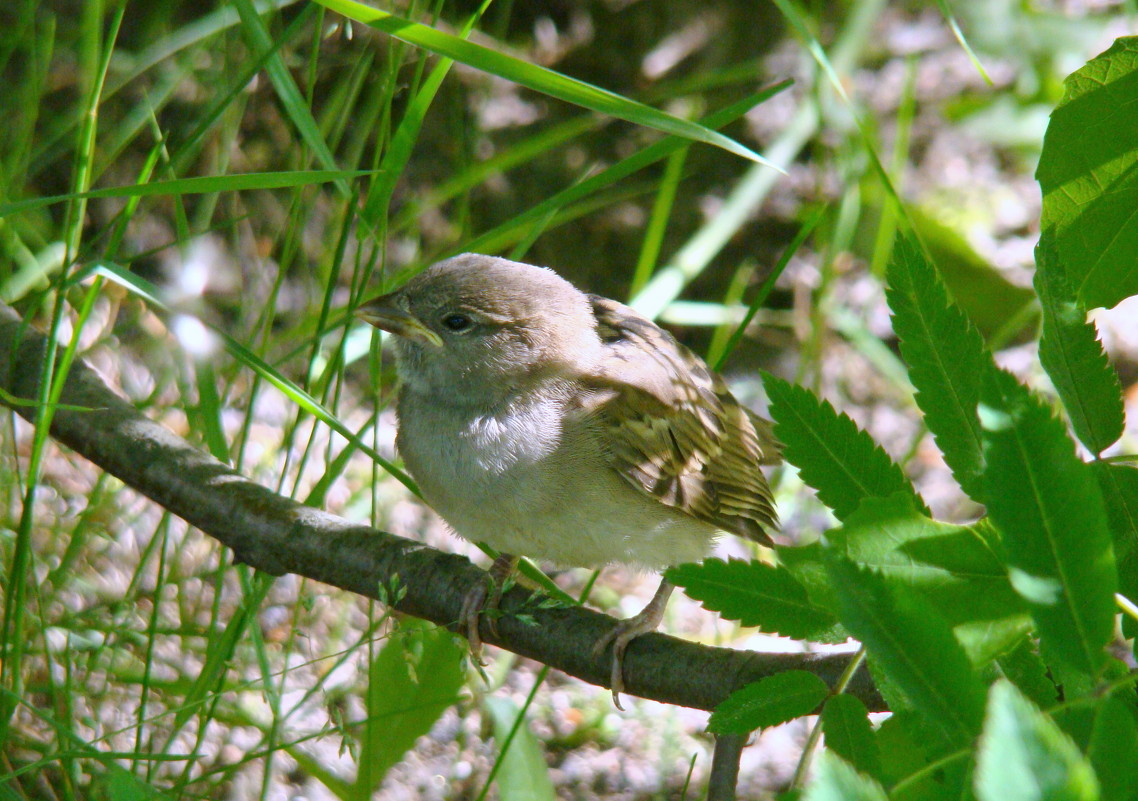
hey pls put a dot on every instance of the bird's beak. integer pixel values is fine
(383, 312)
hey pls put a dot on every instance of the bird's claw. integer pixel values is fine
(620, 636)
(468, 619)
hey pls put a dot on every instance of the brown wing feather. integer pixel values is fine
(676, 432)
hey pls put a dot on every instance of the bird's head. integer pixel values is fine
(475, 329)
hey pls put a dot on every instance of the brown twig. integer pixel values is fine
(278, 535)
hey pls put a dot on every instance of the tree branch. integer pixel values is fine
(278, 535)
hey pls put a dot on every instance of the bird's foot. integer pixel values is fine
(628, 630)
(484, 597)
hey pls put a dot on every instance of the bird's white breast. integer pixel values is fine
(530, 478)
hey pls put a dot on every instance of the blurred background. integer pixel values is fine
(152, 666)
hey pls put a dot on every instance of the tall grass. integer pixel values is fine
(191, 199)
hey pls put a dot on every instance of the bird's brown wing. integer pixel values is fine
(675, 431)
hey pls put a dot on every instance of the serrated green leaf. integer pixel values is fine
(1024, 667)
(1024, 756)
(805, 563)
(987, 640)
(411, 682)
(1073, 356)
(1113, 746)
(837, 780)
(769, 702)
(534, 77)
(903, 739)
(1119, 486)
(849, 734)
(1050, 511)
(1088, 172)
(946, 357)
(954, 567)
(755, 594)
(524, 775)
(915, 647)
(1001, 310)
(833, 455)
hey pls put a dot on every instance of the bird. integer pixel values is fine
(562, 426)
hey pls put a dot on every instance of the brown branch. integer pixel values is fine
(278, 535)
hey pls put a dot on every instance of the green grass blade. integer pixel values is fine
(658, 220)
(292, 99)
(194, 186)
(398, 152)
(716, 359)
(622, 169)
(537, 78)
(151, 295)
(524, 775)
(950, 18)
(218, 653)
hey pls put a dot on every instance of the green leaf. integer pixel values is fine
(946, 357)
(1088, 172)
(954, 567)
(1050, 511)
(1001, 310)
(1119, 486)
(755, 594)
(849, 734)
(915, 647)
(987, 640)
(524, 775)
(805, 563)
(837, 780)
(769, 702)
(411, 683)
(919, 766)
(534, 77)
(1024, 756)
(1073, 356)
(117, 784)
(1113, 746)
(834, 456)
(1025, 669)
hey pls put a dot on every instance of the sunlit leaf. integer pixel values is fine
(1088, 171)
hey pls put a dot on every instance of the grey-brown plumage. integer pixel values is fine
(562, 426)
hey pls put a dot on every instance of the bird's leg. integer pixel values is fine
(482, 597)
(628, 630)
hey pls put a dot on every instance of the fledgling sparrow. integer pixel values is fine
(557, 425)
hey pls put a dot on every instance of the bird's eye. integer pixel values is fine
(457, 322)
